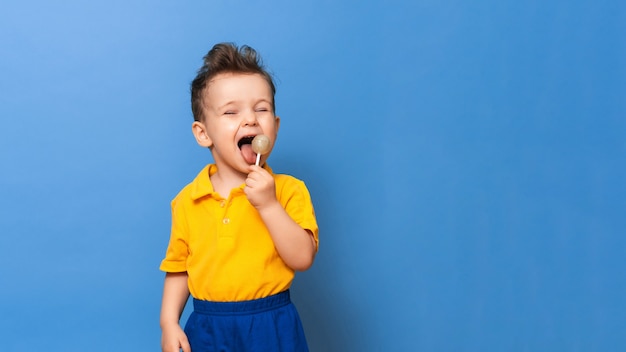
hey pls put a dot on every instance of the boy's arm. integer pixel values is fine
(295, 245)
(175, 296)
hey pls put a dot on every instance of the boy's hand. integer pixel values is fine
(173, 339)
(260, 187)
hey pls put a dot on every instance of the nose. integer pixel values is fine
(249, 119)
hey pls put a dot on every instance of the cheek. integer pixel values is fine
(225, 126)
(270, 124)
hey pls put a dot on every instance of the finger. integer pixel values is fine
(185, 346)
(170, 347)
(252, 176)
(259, 170)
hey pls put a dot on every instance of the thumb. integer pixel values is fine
(185, 346)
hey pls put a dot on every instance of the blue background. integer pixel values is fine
(466, 160)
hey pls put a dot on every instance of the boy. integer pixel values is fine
(239, 232)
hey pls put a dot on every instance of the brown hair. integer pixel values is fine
(226, 58)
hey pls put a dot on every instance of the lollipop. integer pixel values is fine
(260, 145)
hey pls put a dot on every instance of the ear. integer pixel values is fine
(277, 123)
(200, 132)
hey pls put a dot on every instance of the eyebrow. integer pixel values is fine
(263, 100)
(225, 105)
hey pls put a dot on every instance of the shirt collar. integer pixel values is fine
(202, 186)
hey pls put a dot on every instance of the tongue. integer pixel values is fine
(248, 154)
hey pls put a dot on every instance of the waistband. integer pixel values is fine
(242, 307)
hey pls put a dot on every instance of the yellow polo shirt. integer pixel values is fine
(223, 244)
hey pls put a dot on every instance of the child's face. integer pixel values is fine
(236, 108)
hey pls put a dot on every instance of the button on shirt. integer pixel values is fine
(223, 244)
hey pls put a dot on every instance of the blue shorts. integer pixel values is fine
(269, 324)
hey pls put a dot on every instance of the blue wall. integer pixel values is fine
(466, 160)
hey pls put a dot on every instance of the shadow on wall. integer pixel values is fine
(330, 317)
(330, 320)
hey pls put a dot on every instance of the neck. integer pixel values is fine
(223, 183)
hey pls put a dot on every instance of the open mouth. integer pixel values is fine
(245, 145)
(245, 140)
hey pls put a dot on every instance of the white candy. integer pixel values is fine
(261, 144)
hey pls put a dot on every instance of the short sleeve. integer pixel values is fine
(177, 251)
(296, 200)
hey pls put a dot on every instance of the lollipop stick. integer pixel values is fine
(260, 145)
